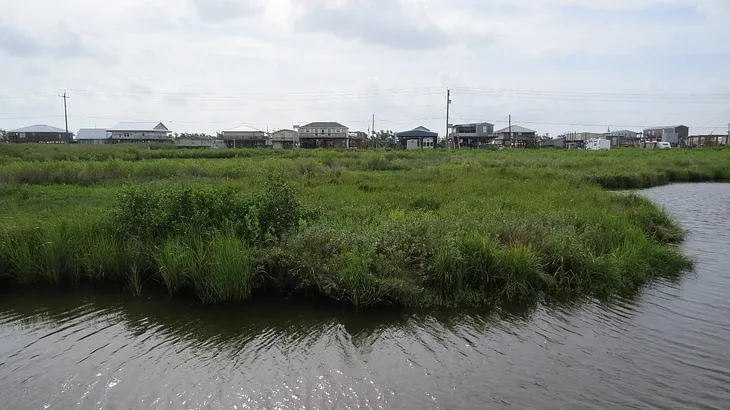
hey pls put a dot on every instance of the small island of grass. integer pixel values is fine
(429, 228)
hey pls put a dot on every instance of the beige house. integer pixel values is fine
(323, 135)
(284, 139)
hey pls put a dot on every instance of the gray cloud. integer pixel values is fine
(73, 45)
(17, 43)
(35, 70)
(216, 11)
(69, 44)
(375, 22)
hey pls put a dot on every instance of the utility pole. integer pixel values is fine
(374, 132)
(65, 110)
(448, 103)
(510, 129)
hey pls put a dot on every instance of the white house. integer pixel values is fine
(596, 144)
(139, 132)
(92, 136)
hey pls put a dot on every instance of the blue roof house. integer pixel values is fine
(417, 138)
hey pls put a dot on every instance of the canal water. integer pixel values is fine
(665, 348)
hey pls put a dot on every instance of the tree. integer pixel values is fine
(3, 135)
(192, 135)
(383, 139)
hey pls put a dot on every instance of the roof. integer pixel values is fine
(417, 132)
(515, 129)
(139, 126)
(282, 130)
(323, 125)
(473, 124)
(91, 134)
(664, 127)
(39, 128)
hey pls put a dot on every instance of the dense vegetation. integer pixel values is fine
(427, 228)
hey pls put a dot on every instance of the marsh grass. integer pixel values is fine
(363, 228)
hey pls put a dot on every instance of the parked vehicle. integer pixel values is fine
(663, 145)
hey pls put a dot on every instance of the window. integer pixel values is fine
(484, 129)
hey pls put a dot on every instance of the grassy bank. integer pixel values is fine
(360, 227)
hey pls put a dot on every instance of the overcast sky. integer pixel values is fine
(207, 65)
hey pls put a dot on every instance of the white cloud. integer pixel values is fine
(207, 65)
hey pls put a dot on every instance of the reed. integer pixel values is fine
(363, 228)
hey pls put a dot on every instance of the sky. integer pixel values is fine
(554, 66)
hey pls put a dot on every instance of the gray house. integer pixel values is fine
(92, 136)
(673, 134)
(40, 133)
(473, 135)
(623, 138)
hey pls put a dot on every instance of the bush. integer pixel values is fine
(155, 212)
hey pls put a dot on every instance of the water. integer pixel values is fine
(666, 348)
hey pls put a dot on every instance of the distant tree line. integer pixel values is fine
(200, 135)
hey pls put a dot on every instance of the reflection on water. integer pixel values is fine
(664, 348)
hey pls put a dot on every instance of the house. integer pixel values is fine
(597, 144)
(284, 139)
(323, 135)
(473, 135)
(623, 138)
(558, 142)
(417, 138)
(711, 140)
(92, 136)
(40, 133)
(194, 141)
(139, 132)
(516, 136)
(245, 138)
(672, 134)
(582, 136)
(358, 139)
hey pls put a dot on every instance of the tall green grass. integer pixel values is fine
(361, 228)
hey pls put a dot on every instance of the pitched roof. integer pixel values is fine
(39, 128)
(91, 134)
(417, 132)
(139, 126)
(515, 129)
(323, 125)
(282, 130)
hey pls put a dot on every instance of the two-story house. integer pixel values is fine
(323, 135)
(516, 136)
(473, 135)
(245, 138)
(139, 132)
(284, 139)
(673, 134)
(40, 133)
